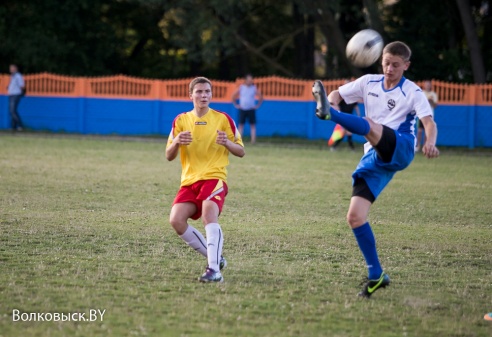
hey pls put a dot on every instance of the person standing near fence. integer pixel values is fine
(15, 90)
(204, 138)
(247, 99)
(432, 98)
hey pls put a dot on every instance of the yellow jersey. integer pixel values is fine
(203, 159)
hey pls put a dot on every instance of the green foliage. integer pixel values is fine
(84, 226)
(225, 39)
(438, 52)
(68, 37)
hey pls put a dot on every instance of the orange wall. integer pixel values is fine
(272, 87)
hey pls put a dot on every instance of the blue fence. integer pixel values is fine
(464, 126)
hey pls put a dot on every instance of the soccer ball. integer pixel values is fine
(364, 48)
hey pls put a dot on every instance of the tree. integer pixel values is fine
(441, 47)
(338, 21)
(303, 41)
(227, 38)
(473, 43)
(69, 38)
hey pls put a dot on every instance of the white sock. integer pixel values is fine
(195, 240)
(215, 242)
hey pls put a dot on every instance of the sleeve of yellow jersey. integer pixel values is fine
(233, 133)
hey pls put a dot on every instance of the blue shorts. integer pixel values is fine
(377, 173)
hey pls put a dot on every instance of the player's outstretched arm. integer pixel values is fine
(183, 138)
(236, 149)
(429, 149)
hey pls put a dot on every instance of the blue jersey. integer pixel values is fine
(396, 108)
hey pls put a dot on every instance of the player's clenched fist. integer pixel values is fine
(221, 137)
(184, 138)
(430, 151)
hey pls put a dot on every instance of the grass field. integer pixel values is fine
(84, 226)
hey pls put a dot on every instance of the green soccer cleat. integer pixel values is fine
(211, 276)
(370, 286)
(322, 104)
(222, 263)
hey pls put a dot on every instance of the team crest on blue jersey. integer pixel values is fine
(391, 104)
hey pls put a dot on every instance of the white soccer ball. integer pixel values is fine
(364, 48)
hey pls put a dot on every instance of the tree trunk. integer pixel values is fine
(299, 44)
(476, 59)
(373, 18)
(224, 66)
(309, 51)
(304, 44)
(332, 32)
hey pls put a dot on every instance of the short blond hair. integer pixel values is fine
(198, 80)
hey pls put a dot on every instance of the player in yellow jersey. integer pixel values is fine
(204, 138)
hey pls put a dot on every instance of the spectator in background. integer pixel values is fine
(245, 100)
(432, 98)
(16, 90)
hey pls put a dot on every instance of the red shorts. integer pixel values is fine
(214, 190)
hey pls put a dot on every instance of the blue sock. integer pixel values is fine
(367, 244)
(354, 124)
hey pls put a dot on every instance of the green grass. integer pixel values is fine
(84, 225)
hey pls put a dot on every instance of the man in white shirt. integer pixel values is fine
(392, 104)
(250, 99)
(15, 92)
